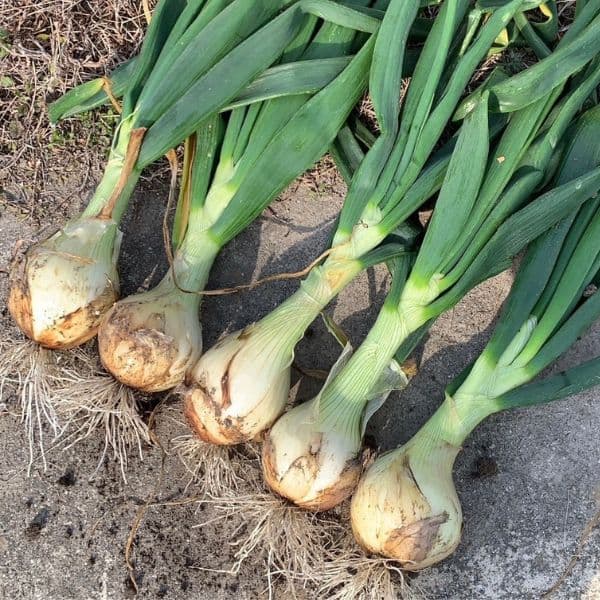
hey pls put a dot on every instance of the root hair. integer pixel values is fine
(31, 373)
(349, 574)
(91, 400)
(217, 471)
(309, 553)
(289, 542)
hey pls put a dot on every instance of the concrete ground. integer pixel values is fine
(529, 481)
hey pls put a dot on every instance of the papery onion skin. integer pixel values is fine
(408, 510)
(316, 470)
(151, 340)
(57, 296)
(231, 398)
(326, 498)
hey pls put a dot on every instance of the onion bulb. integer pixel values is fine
(315, 469)
(239, 387)
(315, 460)
(149, 340)
(406, 508)
(62, 287)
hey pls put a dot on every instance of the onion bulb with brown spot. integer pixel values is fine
(406, 508)
(151, 340)
(62, 287)
(235, 391)
(240, 386)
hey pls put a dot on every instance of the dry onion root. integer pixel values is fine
(217, 471)
(306, 552)
(91, 403)
(66, 397)
(349, 574)
(29, 372)
(289, 543)
(213, 471)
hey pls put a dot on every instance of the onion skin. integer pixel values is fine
(407, 509)
(230, 396)
(58, 297)
(73, 330)
(19, 301)
(149, 341)
(197, 411)
(307, 468)
(314, 469)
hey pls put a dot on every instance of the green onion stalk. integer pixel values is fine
(196, 59)
(151, 340)
(102, 91)
(245, 404)
(396, 176)
(479, 223)
(406, 506)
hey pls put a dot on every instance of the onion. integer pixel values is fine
(315, 469)
(315, 460)
(240, 386)
(62, 287)
(149, 341)
(235, 391)
(406, 507)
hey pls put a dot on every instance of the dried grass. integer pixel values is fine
(47, 47)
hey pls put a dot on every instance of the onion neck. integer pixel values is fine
(474, 400)
(452, 423)
(191, 267)
(323, 284)
(344, 401)
(290, 319)
(112, 173)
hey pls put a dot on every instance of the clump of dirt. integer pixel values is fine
(38, 523)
